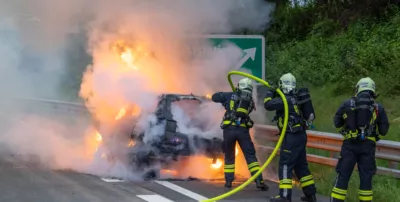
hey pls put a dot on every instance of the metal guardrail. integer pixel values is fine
(388, 151)
(33, 105)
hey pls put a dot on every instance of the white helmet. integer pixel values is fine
(245, 84)
(365, 84)
(287, 83)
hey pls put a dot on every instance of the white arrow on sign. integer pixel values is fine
(249, 53)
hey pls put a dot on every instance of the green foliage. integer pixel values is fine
(363, 50)
(341, 42)
(291, 23)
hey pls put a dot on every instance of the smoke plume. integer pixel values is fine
(167, 56)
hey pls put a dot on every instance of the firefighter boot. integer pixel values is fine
(309, 198)
(228, 184)
(261, 185)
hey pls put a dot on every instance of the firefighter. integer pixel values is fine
(293, 148)
(236, 124)
(358, 119)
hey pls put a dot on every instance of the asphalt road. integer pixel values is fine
(31, 183)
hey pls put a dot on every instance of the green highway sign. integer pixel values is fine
(253, 48)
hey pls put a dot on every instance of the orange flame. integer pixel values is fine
(136, 111)
(120, 114)
(131, 143)
(127, 54)
(172, 172)
(217, 164)
(98, 137)
(236, 150)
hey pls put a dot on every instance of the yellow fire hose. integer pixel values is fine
(278, 145)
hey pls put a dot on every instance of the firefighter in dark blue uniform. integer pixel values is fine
(236, 125)
(293, 148)
(358, 119)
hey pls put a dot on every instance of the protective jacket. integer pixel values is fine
(236, 123)
(358, 150)
(295, 121)
(235, 104)
(293, 156)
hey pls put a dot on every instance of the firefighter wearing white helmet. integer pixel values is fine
(362, 122)
(287, 83)
(236, 124)
(245, 85)
(293, 148)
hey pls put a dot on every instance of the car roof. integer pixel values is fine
(177, 97)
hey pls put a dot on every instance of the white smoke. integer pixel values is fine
(33, 36)
(40, 30)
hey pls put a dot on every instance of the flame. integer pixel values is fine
(129, 55)
(131, 143)
(208, 96)
(136, 111)
(171, 172)
(123, 111)
(217, 164)
(120, 114)
(98, 137)
(236, 150)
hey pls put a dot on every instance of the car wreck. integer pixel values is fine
(170, 145)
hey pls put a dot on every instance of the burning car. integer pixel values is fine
(170, 145)
(162, 140)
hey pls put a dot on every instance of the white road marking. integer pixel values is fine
(111, 180)
(154, 198)
(181, 190)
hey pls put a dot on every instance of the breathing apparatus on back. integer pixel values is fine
(244, 103)
(364, 106)
(287, 83)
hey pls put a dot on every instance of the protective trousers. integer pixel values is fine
(293, 156)
(361, 152)
(242, 136)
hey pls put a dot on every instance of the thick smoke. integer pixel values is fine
(166, 30)
(33, 38)
(169, 57)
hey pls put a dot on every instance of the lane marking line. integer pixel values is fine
(111, 180)
(154, 198)
(181, 190)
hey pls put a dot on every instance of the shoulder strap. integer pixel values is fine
(376, 108)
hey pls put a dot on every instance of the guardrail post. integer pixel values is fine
(393, 164)
(333, 154)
